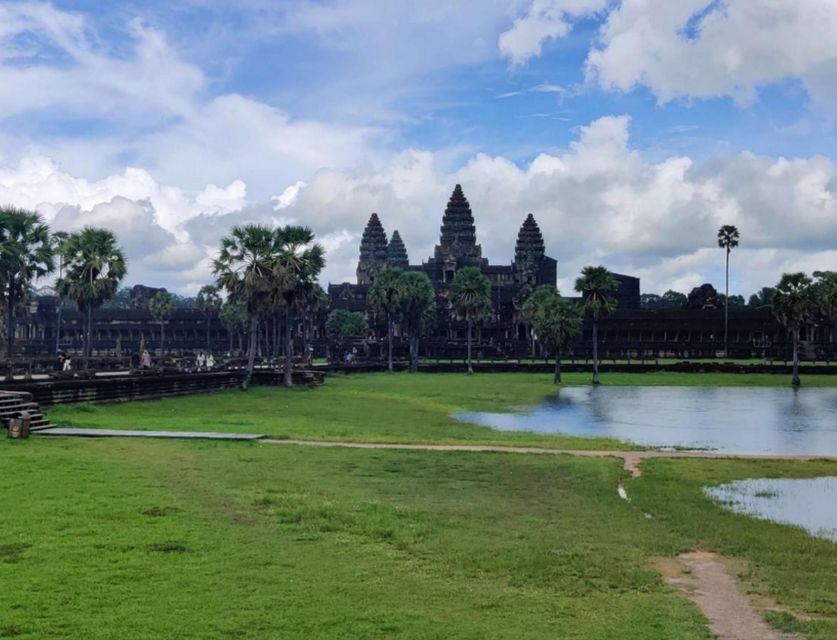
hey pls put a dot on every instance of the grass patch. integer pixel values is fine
(274, 542)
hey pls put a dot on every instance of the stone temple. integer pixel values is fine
(511, 284)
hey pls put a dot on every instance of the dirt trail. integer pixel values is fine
(731, 615)
(631, 459)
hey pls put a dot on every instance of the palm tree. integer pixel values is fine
(727, 239)
(418, 309)
(58, 239)
(555, 320)
(162, 306)
(233, 316)
(245, 268)
(298, 263)
(793, 303)
(826, 295)
(596, 285)
(471, 298)
(94, 266)
(209, 302)
(25, 255)
(385, 297)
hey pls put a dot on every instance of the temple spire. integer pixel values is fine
(458, 233)
(397, 252)
(373, 251)
(529, 249)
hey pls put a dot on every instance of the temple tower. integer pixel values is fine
(373, 251)
(529, 258)
(458, 234)
(397, 252)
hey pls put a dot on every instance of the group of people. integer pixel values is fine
(65, 363)
(205, 361)
(350, 356)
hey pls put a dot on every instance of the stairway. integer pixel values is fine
(12, 403)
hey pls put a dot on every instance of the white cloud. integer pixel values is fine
(544, 20)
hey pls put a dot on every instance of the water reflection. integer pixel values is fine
(810, 504)
(730, 419)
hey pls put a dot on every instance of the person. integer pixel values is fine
(61, 358)
(210, 362)
(145, 360)
(68, 364)
(201, 360)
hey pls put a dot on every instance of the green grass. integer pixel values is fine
(157, 539)
(382, 407)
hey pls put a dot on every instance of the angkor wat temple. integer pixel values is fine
(511, 284)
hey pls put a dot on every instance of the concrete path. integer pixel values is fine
(136, 433)
(631, 459)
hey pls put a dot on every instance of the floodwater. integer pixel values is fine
(807, 503)
(742, 420)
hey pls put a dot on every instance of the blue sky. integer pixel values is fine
(631, 130)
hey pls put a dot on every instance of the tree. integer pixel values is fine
(650, 301)
(674, 299)
(94, 266)
(763, 298)
(727, 239)
(596, 285)
(418, 306)
(162, 306)
(341, 324)
(556, 321)
(209, 302)
(825, 294)
(298, 263)
(246, 269)
(385, 297)
(735, 301)
(26, 254)
(58, 239)
(233, 316)
(470, 295)
(793, 303)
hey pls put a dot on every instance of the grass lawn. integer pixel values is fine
(380, 407)
(149, 539)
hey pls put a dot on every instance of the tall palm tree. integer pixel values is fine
(245, 268)
(555, 320)
(209, 302)
(25, 255)
(58, 239)
(471, 297)
(385, 297)
(298, 263)
(596, 286)
(727, 239)
(162, 307)
(793, 303)
(94, 266)
(418, 309)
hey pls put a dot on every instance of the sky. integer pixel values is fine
(631, 129)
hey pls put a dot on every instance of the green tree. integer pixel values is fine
(825, 293)
(58, 239)
(94, 266)
(470, 295)
(764, 298)
(209, 302)
(26, 254)
(673, 299)
(246, 269)
(597, 286)
(234, 318)
(385, 297)
(162, 306)
(556, 321)
(342, 324)
(727, 240)
(299, 261)
(418, 309)
(793, 304)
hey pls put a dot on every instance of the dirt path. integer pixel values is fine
(631, 459)
(704, 579)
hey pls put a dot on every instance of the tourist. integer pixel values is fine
(68, 364)
(145, 360)
(201, 360)
(61, 358)
(210, 362)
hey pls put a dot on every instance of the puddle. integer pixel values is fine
(807, 503)
(780, 421)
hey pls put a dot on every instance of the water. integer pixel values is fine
(810, 504)
(781, 421)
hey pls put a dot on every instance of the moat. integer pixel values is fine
(780, 421)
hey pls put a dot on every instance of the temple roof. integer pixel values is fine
(529, 248)
(458, 233)
(397, 252)
(373, 244)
